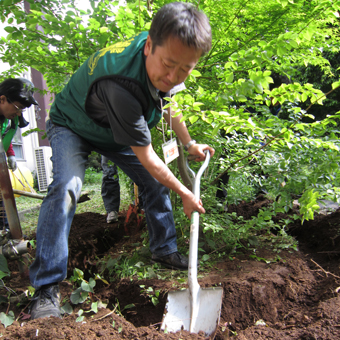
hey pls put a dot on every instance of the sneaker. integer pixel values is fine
(172, 261)
(112, 216)
(46, 302)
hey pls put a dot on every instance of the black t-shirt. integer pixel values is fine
(109, 104)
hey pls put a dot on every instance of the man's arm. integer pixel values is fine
(184, 136)
(160, 171)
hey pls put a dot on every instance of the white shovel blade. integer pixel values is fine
(178, 311)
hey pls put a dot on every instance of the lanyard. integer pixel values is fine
(170, 148)
(164, 111)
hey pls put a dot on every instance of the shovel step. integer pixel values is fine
(178, 311)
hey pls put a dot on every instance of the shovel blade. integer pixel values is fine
(177, 314)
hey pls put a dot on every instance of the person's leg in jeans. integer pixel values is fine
(69, 155)
(157, 206)
(110, 190)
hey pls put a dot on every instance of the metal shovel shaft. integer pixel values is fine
(193, 248)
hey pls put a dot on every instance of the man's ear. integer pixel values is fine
(3, 99)
(148, 46)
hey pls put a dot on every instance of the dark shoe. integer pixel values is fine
(172, 261)
(46, 302)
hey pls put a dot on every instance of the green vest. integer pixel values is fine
(6, 141)
(124, 63)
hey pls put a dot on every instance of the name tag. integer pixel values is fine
(170, 150)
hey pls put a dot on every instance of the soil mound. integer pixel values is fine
(293, 296)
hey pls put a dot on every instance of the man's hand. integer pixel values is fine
(198, 150)
(12, 163)
(191, 204)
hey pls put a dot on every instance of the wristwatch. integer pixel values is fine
(192, 142)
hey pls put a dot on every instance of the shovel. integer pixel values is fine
(133, 212)
(194, 309)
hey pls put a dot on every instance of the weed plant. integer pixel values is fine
(221, 233)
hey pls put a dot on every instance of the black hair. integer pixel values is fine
(183, 21)
(18, 90)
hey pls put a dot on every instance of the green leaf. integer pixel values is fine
(86, 287)
(2, 275)
(94, 307)
(92, 282)
(281, 50)
(229, 77)
(78, 296)
(335, 85)
(80, 319)
(8, 319)
(193, 119)
(129, 306)
(103, 30)
(307, 34)
(205, 257)
(67, 308)
(195, 73)
(9, 29)
(3, 264)
(293, 43)
(77, 274)
(155, 301)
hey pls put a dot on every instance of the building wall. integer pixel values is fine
(44, 104)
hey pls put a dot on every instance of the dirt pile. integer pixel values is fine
(291, 297)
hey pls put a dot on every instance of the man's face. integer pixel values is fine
(170, 64)
(10, 109)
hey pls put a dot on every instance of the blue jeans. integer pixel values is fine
(110, 186)
(69, 155)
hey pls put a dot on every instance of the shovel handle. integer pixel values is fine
(194, 231)
(197, 177)
(192, 157)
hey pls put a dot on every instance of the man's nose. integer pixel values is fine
(173, 75)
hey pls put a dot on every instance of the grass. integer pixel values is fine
(92, 186)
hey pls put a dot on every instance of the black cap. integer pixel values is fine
(29, 87)
(18, 89)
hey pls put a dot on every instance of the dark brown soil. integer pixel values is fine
(292, 297)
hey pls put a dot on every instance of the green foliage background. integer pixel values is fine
(227, 100)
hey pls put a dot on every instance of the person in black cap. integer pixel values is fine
(15, 96)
